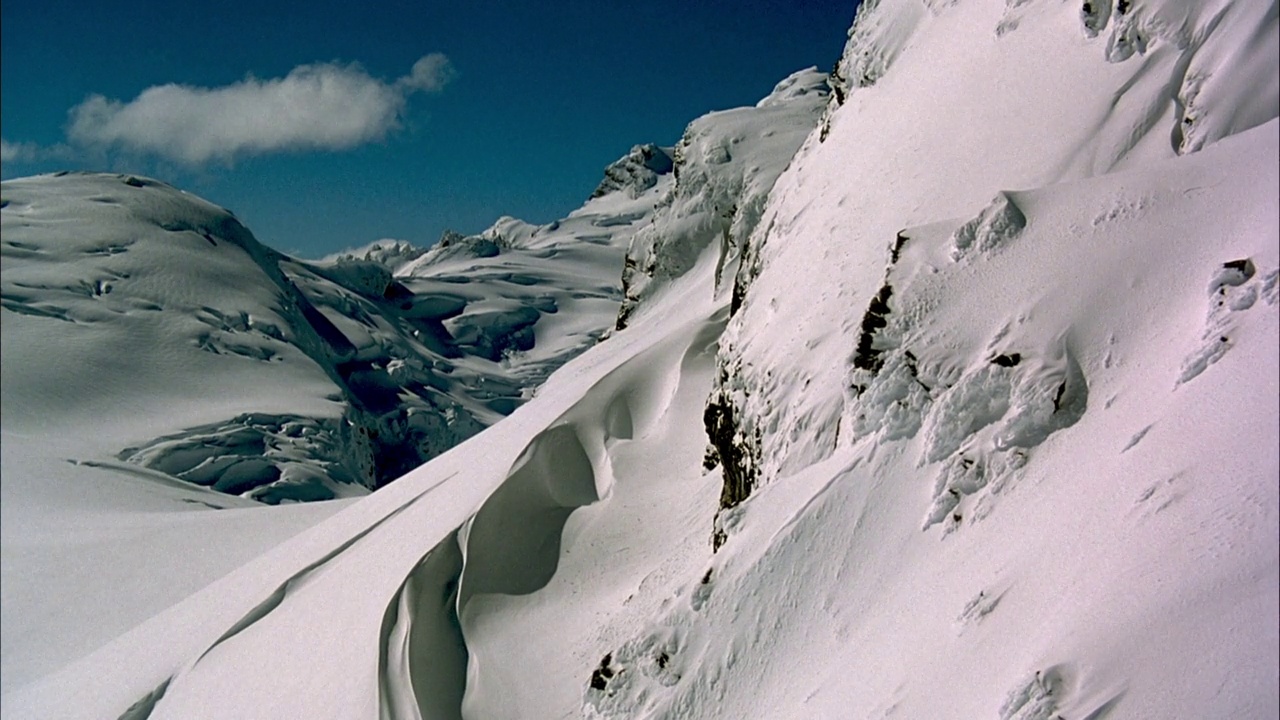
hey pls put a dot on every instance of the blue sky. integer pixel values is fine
(331, 126)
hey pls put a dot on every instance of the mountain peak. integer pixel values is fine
(636, 171)
(809, 81)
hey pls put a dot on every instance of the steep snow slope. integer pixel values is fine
(994, 421)
(1030, 94)
(1041, 498)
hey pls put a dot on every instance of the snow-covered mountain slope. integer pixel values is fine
(231, 372)
(993, 398)
(1037, 94)
(725, 165)
(528, 298)
(395, 368)
(159, 360)
(133, 311)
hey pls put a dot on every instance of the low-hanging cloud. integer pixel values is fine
(17, 151)
(326, 106)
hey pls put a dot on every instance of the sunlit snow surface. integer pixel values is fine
(159, 361)
(1035, 478)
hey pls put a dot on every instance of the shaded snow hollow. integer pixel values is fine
(991, 380)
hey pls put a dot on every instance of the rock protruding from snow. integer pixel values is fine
(944, 163)
(998, 223)
(1234, 288)
(636, 172)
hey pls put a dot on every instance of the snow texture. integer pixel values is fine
(982, 331)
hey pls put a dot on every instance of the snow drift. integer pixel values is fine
(970, 411)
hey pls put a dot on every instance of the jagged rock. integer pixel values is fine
(636, 172)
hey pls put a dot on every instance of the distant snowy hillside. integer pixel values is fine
(944, 387)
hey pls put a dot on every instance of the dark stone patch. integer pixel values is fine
(898, 244)
(1244, 267)
(913, 367)
(1094, 16)
(600, 676)
(710, 459)
(1007, 360)
(867, 357)
(736, 300)
(735, 460)
(397, 292)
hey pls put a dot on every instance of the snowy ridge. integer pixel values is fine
(991, 381)
(725, 165)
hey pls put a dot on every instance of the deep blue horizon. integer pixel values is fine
(531, 105)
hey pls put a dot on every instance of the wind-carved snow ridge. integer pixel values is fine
(510, 547)
(423, 655)
(299, 579)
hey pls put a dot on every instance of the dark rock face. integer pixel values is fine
(636, 172)
(600, 676)
(729, 449)
(866, 356)
(1007, 360)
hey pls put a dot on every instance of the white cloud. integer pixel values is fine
(429, 74)
(326, 106)
(17, 151)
